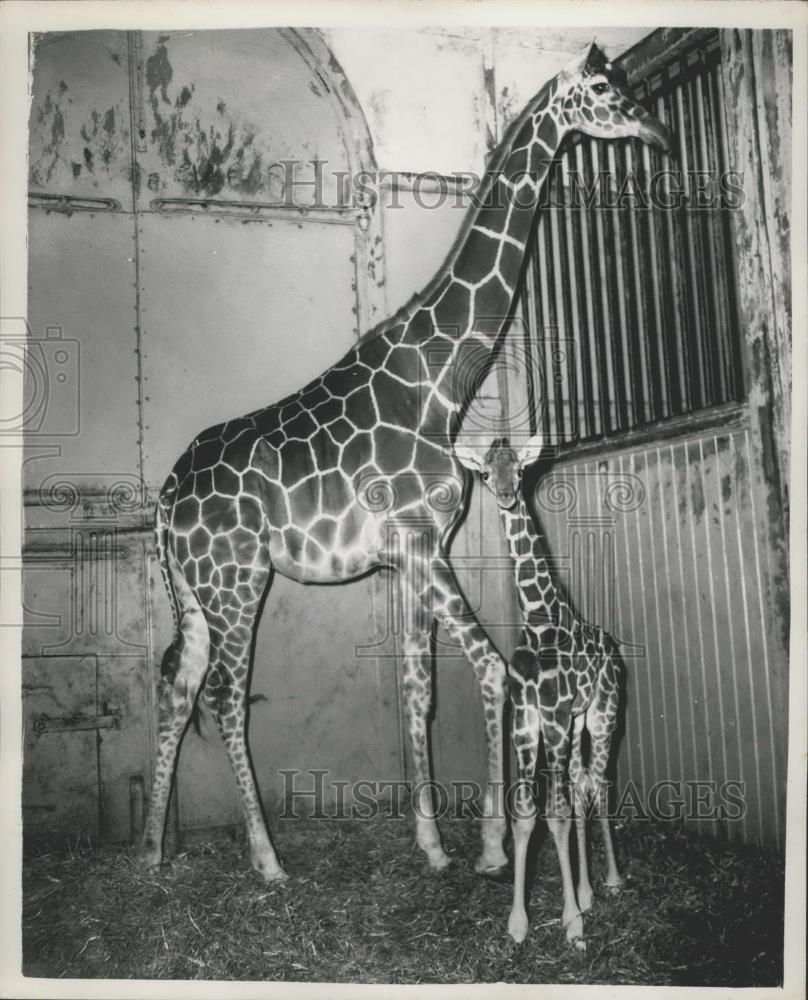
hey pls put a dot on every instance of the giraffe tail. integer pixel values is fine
(161, 515)
(170, 662)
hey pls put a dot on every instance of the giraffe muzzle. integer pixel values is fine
(655, 134)
(505, 498)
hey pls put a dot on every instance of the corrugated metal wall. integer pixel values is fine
(664, 545)
(666, 511)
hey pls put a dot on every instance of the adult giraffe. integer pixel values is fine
(323, 485)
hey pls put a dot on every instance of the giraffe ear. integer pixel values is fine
(470, 457)
(531, 450)
(596, 60)
(590, 59)
(578, 63)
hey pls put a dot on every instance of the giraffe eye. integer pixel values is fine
(600, 88)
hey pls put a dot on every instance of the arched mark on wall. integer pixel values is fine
(355, 134)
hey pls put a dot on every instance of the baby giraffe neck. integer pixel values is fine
(539, 599)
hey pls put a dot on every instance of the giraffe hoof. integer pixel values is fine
(501, 873)
(491, 863)
(575, 932)
(279, 876)
(271, 873)
(580, 944)
(148, 860)
(518, 926)
(614, 888)
(438, 862)
(585, 900)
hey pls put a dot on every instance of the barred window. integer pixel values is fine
(629, 300)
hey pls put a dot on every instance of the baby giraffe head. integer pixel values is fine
(593, 97)
(501, 466)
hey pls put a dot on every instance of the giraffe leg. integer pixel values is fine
(601, 746)
(451, 607)
(417, 685)
(526, 727)
(579, 781)
(225, 693)
(601, 722)
(556, 745)
(185, 664)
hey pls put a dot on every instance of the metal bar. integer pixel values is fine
(641, 324)
(660, 368)
(673, 273)
(545, 337)
(565, 371)
(537, 342)
(618, 248)
(529, 318)
(575, 333)
(692, 320)
(606, 325)
(74, 723)
(256, 209)
(598, 422)
(698, 264)
(71, 203)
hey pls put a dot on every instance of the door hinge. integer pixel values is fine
(70, 723)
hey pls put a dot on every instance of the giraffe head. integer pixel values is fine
(593, 97)
(501, 466)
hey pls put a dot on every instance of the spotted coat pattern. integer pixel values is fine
(323, 485)
(564, 676)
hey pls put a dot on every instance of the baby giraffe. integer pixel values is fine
(564, 677)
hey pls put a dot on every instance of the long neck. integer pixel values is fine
(491, 255)
(539, 598)
(469, 301)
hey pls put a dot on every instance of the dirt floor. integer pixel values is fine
(362, 906)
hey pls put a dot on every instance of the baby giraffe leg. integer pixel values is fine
(526, 731)
(601, 720)
(579, 781)
(556, 744)
(600, 757)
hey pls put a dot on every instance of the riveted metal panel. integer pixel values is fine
(223, 111)
(59, 802)
(81, 313)
(235, 316)
(80, 135)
